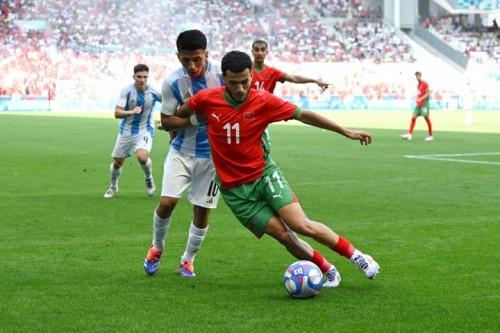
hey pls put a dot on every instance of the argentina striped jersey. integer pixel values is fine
(177, 88)
(129, 99)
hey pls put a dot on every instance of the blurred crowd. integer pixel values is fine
(478, 43)
(86, 49)
(83, 48)
(371, 10)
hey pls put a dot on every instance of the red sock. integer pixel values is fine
(429, 125)
(344, 248)
(320, 261)
(412, 125)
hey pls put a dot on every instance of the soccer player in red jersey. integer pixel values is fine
(265, 78)
(421, 109)
(252, 185)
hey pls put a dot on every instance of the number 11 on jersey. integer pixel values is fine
(236, 128)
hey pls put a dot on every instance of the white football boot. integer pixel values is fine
(332, 278)
(366, 263)
(111, 192)
(150, 187)
(406, 136)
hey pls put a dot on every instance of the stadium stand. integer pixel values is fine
(481, 44)
(474, 4)
(76, 56)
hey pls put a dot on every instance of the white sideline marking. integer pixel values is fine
(448, 158)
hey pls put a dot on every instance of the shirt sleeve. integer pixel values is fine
(122, 99)
(169, 103)
(158, 95)
(194, 102)
(280, 76)
(279, 109)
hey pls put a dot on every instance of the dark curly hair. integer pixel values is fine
(236, 62)
(191, 40)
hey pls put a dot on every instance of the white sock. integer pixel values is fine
(196, 236)
(147, 169)
(160, 230)
(115, 174)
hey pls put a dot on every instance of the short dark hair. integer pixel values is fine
(191, 40)
(236, 62)
(259, 41)
(418, 73)
(141, 68)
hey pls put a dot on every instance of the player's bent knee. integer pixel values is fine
(117, 163)
(142, 160)
(167, 204)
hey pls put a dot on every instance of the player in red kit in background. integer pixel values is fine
(265, 78)
(421, 109)
(251, 184)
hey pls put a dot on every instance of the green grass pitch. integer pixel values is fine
(72, 261)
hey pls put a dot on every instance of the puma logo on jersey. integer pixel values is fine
(216, 116)
(277, 196)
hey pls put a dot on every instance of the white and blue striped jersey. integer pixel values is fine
(128, 100)
(176, 90)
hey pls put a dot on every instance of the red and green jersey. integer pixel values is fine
(266, 78)
(423, 88)
(235, 130)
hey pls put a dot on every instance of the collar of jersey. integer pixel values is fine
(259, 70)
(231, 102)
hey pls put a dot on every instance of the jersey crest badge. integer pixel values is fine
(248, 116)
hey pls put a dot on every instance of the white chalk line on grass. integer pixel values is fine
(450, 158)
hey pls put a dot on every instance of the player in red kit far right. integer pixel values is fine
(421, 109)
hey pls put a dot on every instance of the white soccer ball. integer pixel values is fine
(303, 279)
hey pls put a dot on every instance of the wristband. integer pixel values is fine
(193, 120)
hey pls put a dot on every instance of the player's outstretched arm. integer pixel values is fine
(183, 118)
(303, 79)
(317, 120)
(170, 123)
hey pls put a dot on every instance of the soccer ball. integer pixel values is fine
(303, 279)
